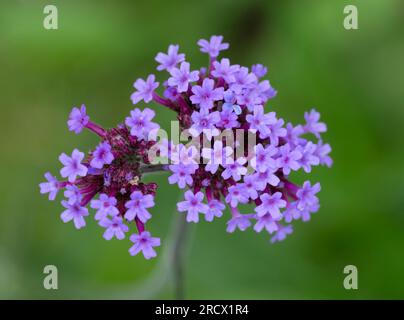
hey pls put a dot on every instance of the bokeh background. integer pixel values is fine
(354, 78)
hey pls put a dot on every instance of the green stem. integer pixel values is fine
(179, 245)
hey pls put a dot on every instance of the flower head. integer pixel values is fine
(222, 100)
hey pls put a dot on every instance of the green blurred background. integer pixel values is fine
(354, 78)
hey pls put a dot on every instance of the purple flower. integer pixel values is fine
(250, 186)
(138, 205)
(239, 221)
(105, 206)
(193, 205)
(111, 178)
(249, 98)
(322, 152)
(265, 91)
(102, 155)
(228, 118)
(263, 158)
(144, 89)
(288, 159)
(305, 214)
(293, 134)
(180, 154)
(180, 78)
(236, 195)
(171, 93)
(271, 204)
(219, 155)
(204, 121)
(312, 124)
(114, 227)
(266, 221)
(73, 195)
(264, 178)
(235, 169)
(260, 121)
(213, 46)
(74, 212)
(78, 119)
(291, 213)
(259, 70)
(224, 70)
(276, 131)
(182, 174)
(282, 233)
(51, 187)
(72, 165)
(215, 209)
(243, 80)
(306, 196)
(205, 95)
(170, 60)
(140, 123)
(308, 158)
(145, 243)
(229, 104)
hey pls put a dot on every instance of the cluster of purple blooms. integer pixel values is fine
(207, 102)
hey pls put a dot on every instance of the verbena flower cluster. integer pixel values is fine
(207, 102)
